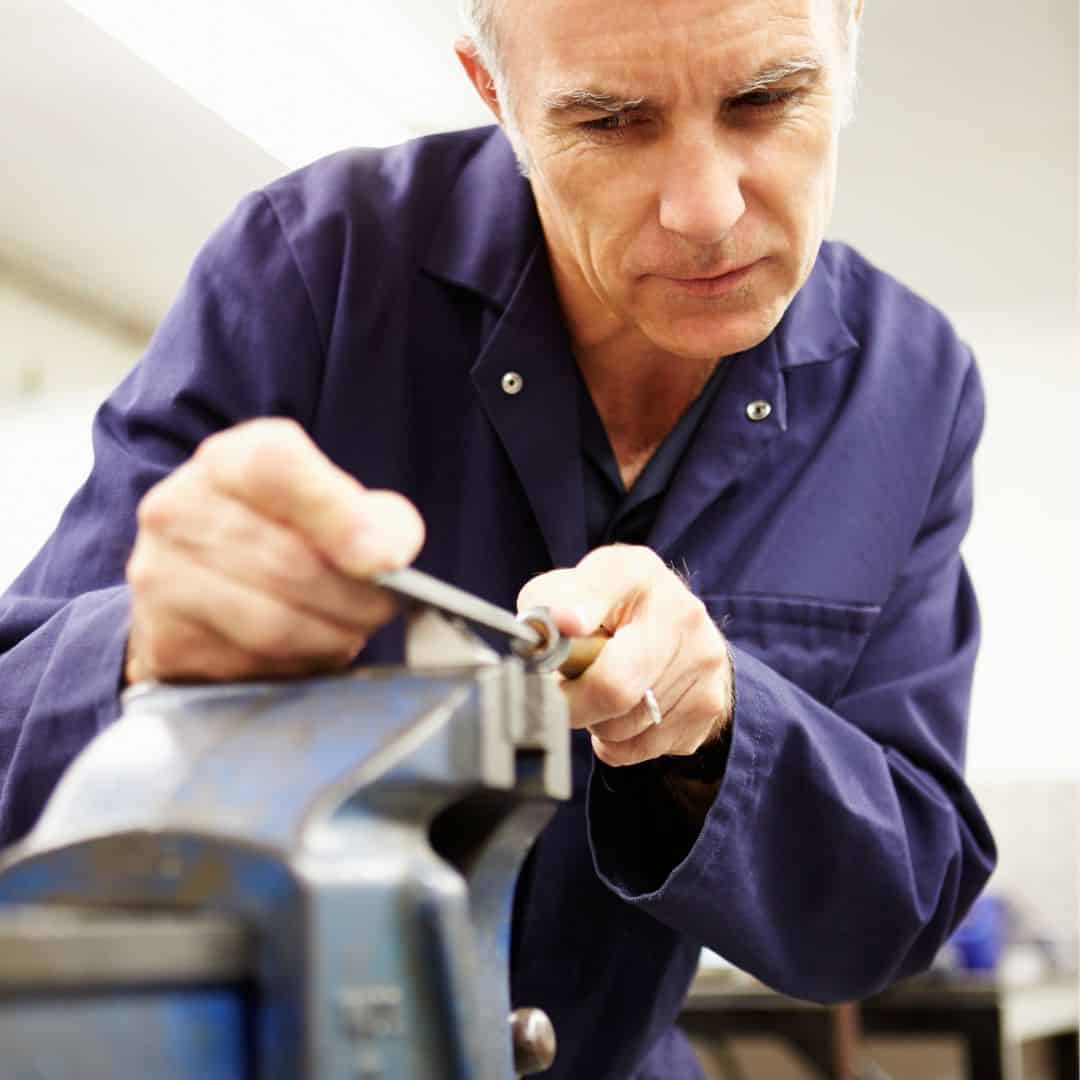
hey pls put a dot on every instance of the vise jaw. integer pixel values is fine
(303, 880)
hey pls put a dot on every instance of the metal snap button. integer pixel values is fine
(758, 410)
(512, 383)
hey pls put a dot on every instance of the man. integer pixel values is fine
(635, 387)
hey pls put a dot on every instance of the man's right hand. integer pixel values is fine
(249, 561)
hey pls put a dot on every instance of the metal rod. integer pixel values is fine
(424, 589)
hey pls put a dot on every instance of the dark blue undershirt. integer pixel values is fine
(613, 514)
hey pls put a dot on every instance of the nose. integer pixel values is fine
(701, 196)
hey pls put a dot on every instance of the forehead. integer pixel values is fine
(645, 45)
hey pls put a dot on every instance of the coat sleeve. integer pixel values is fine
(223, 354)
(843, 846)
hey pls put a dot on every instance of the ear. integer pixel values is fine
(478, 75)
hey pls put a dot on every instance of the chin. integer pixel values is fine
(706, 338)
(704, 329)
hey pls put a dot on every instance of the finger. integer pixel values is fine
(686, 726)
(564, 593)
(621, 728)
(168, 585)
(177, 650)
(650, 744)
(606, 589)
(227, 536)
(700, 716)
(635, 660)
(275, 468)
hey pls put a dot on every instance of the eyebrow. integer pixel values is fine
(595, 100)
(598, 100)
(779, 72)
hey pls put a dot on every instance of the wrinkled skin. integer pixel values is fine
(682, 154)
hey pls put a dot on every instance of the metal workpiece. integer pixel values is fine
(570, 656)
(348, 846)
(429, 592)
(533, 635)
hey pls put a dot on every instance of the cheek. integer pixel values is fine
(793, 184)
(601, 211)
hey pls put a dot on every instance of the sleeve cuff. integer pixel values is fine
(643, 848)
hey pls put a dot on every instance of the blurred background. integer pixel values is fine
(128, 130)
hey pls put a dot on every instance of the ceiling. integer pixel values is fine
(113, 175)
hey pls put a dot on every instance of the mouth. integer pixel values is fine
(710, 285)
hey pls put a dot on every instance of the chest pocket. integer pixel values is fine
(813, 643)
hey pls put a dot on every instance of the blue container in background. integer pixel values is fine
(980, 938)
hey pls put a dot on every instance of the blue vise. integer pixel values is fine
(304, 880)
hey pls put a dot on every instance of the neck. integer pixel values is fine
(640, 393)
(639, 389)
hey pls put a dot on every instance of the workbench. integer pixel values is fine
(994, 1018)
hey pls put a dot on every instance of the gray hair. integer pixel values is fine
(481, 16)
(481, 24)
(481, 19)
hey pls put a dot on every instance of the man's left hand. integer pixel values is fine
(662, 639)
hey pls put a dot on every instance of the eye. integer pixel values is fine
(762, 100)
(615, 124)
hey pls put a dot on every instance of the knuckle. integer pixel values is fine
(277, 435)
(288, 559)
(140, 571)
(274, 445)
(616, 755)
(534, 592)
(643, 561)
(379, 609)
(157, 508)
(614, 698)
(250, 462)
(275, 636)
(605, 751)
(648, 559)
(267, 432)
(392, 502)
(215, 449)
(404, 527)
(349, 650)
(252, 452)
(694, 616)
(155, 650)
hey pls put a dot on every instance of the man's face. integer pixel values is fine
(683, 158)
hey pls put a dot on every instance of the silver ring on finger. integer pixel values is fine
(649, 701)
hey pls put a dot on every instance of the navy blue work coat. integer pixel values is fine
(378, 297)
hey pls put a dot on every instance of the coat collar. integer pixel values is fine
(489, 226)
(814, 328)
(489, 241)
(489, 230)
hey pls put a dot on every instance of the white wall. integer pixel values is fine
(55, 366)
(960, 172)
(960, 176)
